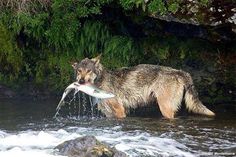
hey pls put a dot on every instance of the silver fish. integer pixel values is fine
(88, 89)
(94, 91)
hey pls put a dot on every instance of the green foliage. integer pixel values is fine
(37, 43)
(10, 55)
(34, 25)
(157, 6)
(45, 35)
(96, 37)
(92, 38)
(153, 6)
(131, 4)
(204, 2)
(173, 7)
(120, 51)
(58, 71)
(128, 4)
(64, 24)
(66, 21)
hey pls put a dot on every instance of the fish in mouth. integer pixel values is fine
(87, 88)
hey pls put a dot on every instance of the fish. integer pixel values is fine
(94, 91)
(86, 88)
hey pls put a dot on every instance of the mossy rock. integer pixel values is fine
(87, 146)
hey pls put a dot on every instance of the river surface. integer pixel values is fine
(28, 129)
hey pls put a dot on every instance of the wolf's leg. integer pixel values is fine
(169, 99)
(166, 107)
(115, 109)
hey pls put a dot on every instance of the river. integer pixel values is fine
(28, 129)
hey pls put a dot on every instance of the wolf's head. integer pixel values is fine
(88, 70)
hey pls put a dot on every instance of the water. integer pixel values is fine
(77, 104)
(27, 128)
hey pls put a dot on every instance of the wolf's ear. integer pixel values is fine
(96, 60)
(74, 65)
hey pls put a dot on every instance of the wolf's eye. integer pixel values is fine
(89, 71)
(79, 70)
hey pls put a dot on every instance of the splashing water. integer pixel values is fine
(27, 129)
(168, 139)
(42, 143)
(84, 101)
(78, 104)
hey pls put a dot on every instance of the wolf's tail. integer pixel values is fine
(193, 103)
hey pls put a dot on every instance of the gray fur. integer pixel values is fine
(142, 84)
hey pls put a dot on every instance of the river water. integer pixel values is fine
(28, 129)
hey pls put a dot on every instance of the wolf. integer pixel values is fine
(139, 85)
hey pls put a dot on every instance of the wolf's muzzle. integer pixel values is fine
(81, 81)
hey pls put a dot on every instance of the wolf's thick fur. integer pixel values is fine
(140, 85)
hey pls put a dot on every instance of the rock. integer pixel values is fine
(87, 146)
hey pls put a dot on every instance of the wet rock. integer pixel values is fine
(87, 146)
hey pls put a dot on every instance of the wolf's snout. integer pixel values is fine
(81, 81)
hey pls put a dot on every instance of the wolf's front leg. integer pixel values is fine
(111, 108)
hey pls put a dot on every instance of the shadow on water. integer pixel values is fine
(191, 134)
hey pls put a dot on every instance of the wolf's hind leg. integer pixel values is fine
(169, 100)
(166, 108)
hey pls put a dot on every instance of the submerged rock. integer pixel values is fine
(87, 146)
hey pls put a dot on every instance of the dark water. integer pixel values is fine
(27, 128)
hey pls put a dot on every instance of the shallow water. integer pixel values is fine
(27, 128)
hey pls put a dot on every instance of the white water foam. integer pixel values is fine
(134, 143)
(32, 143)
